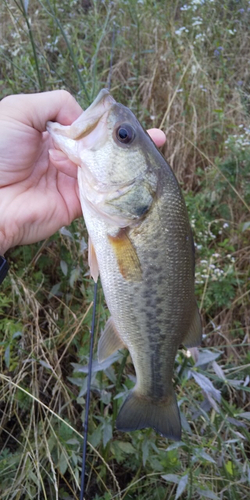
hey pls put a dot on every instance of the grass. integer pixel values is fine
(182, 67)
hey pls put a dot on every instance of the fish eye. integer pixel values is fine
(125, 133)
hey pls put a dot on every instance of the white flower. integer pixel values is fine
(181, 30)
(197, 21)
(200, 36)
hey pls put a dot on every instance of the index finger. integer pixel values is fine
(36, 109)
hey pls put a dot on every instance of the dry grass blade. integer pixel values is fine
(184, 67)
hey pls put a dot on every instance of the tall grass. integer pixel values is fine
(183, 67)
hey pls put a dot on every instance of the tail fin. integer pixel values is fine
(140, 411)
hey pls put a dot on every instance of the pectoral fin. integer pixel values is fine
(127, 258)
(93, 264)
(194, 334)
(109, 342)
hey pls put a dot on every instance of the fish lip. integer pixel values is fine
(88, 119)
(92, 115)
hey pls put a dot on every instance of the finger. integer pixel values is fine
(36, 109)
(157, 136)
(62, 163)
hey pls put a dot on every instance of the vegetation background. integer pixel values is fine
(183, 66)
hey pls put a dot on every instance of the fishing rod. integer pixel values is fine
(86, 420)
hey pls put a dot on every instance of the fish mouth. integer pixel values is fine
(89, 119)
(87, 122)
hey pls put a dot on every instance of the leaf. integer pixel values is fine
(54, 290)
(145, 451)
(105, 397)
(116, 451)
(96, 366)
(206, 356)
(126, 447)
(95, 438)
(206, 385)
(235, 383)
(34, 478)
(218, 370)
(7, 356)
(212, 402)
(46, 365)
(16, 335)
(174, 446)
(74, 276)
(26, 5)
(73, 441)
(245, 414)
(236, 422)
(207, 494)
(107, 434)
(63, 464)
(229, 467)
(245, 226)
(184, 423)
(83, 245)
(171, 478)
(181, 486)
(64, 267)
(66, 232)
(202, 454)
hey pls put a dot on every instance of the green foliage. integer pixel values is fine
(182, 67)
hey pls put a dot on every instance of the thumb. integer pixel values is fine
(36, 109)
(62, 163)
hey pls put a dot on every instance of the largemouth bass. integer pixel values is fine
(141, 243)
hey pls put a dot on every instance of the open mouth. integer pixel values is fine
(86, 122)
(89, 119)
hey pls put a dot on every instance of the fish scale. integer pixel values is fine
(141, 244)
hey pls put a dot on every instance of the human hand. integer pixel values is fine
(38, 184)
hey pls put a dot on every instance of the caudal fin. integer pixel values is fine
(138, 412)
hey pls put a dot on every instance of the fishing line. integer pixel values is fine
(86, 421)
(111, 57)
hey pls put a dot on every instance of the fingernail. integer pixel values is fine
(56, 155)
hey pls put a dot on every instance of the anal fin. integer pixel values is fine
(109, 342)
(194, 335)
(93, 264)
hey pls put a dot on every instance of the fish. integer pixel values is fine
(141, 244)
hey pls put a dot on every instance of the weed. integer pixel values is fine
(182, 67)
